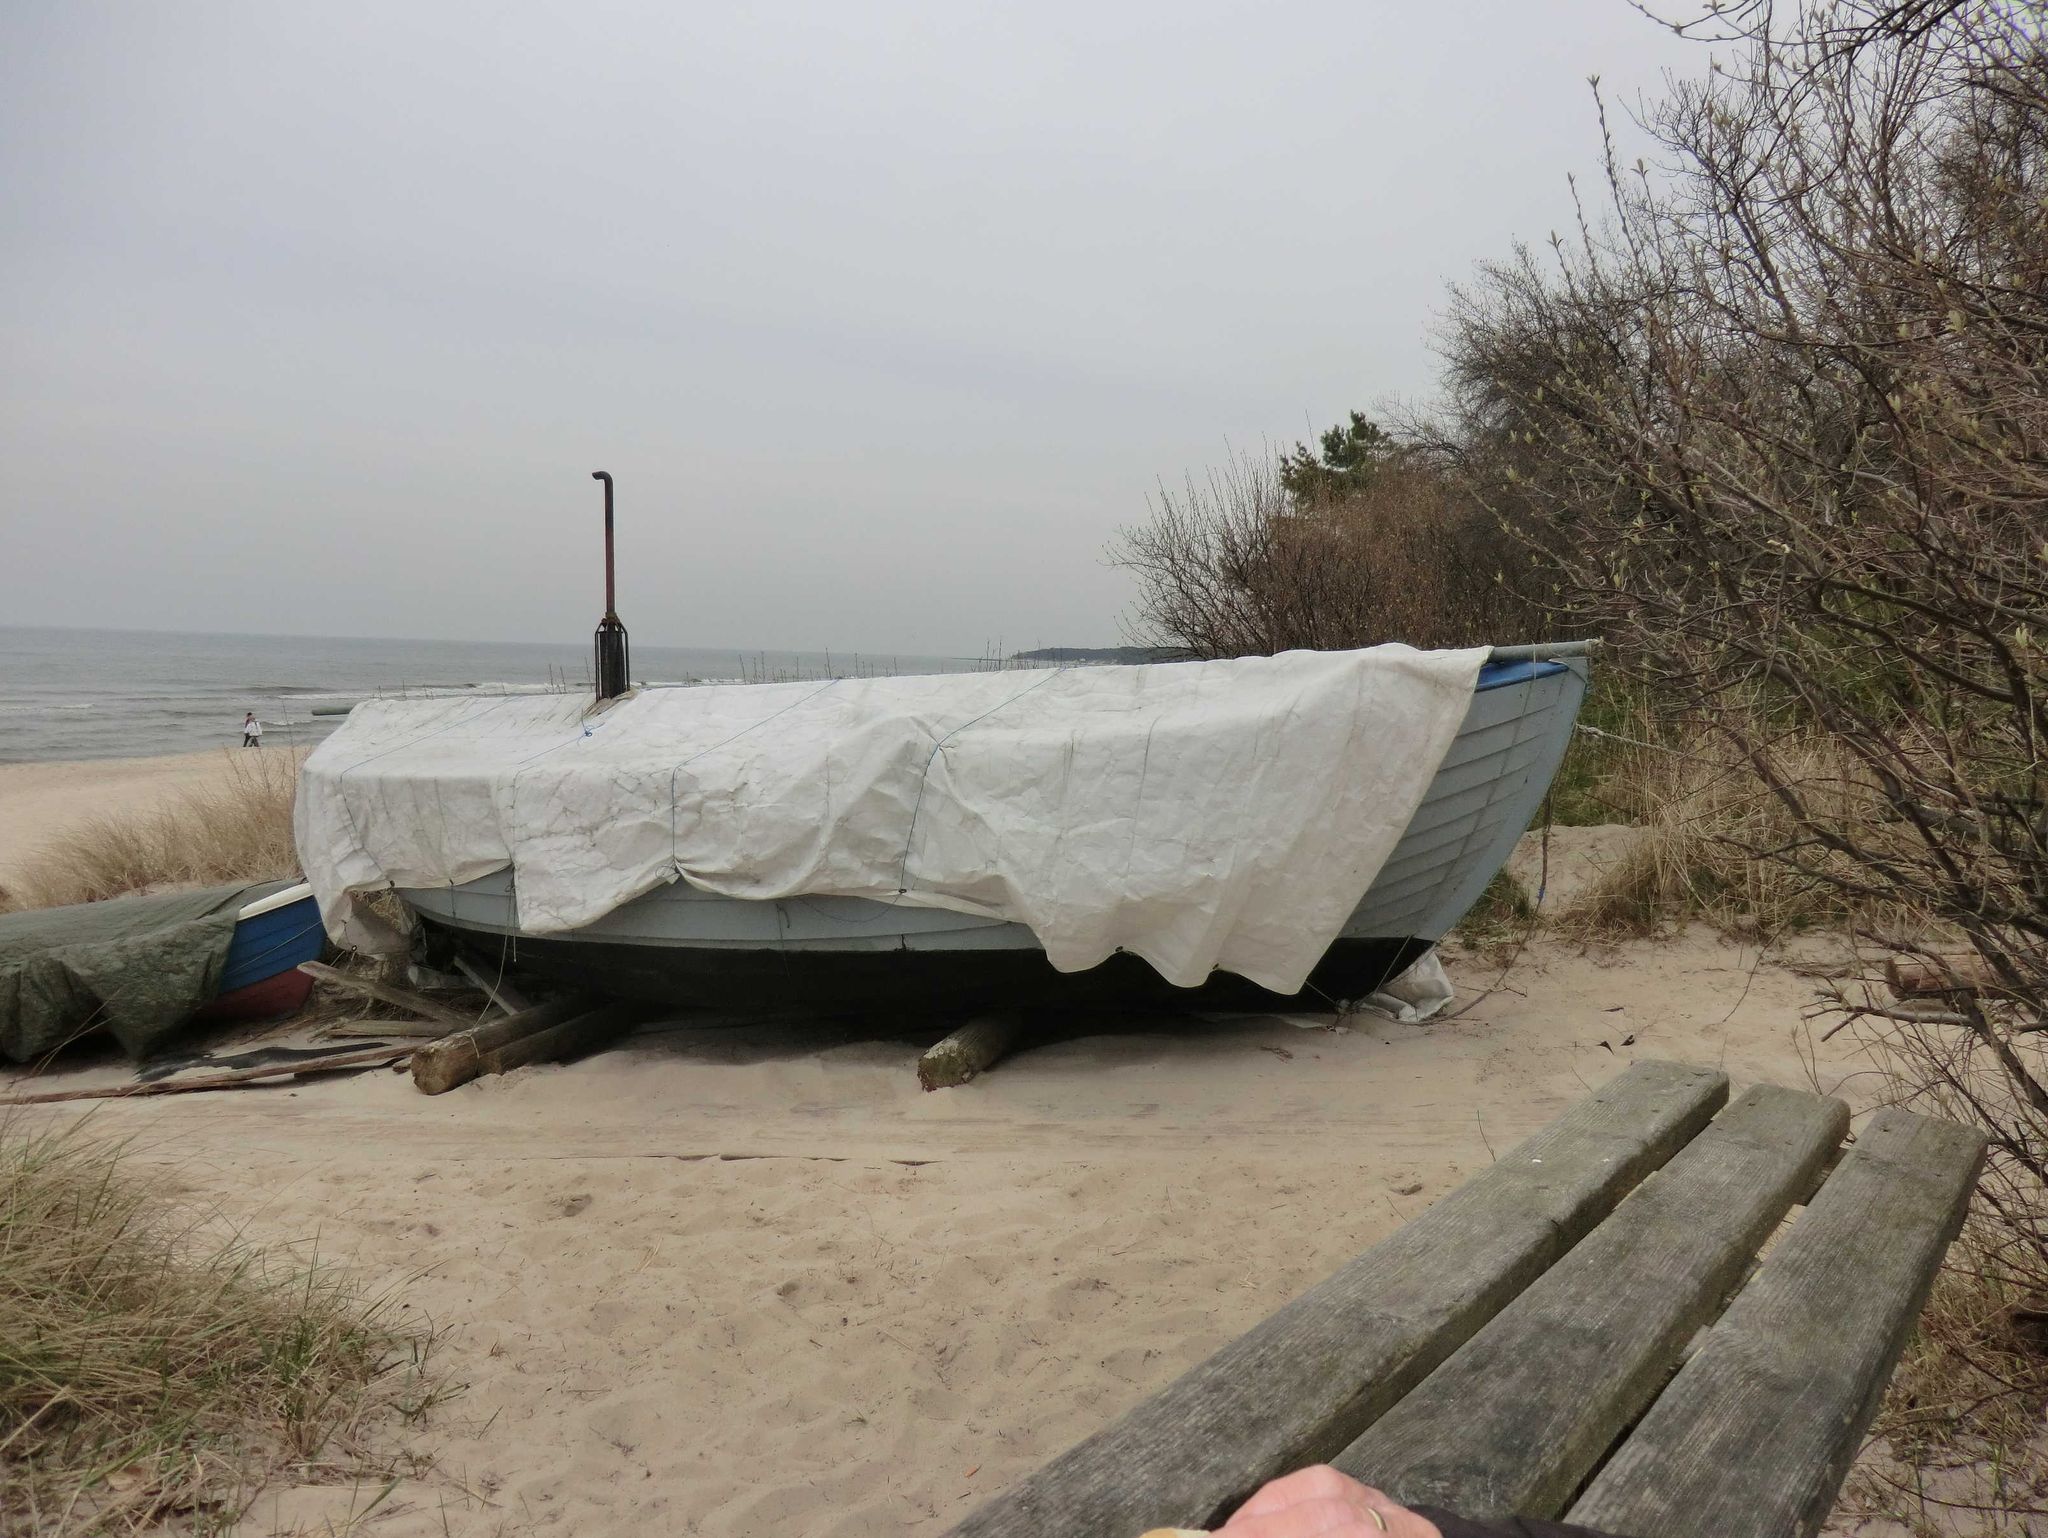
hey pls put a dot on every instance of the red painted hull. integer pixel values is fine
(283, 993)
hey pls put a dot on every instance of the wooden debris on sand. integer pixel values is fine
(383, 1030)
(496, 989)
(364, 1057)
(1917, 976)
(969, 1050)
(389, 993)
(558, 1029)
(456, 1059)
(572, 1038)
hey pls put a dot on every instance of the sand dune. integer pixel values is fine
(756, 1283)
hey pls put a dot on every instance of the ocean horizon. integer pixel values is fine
(90, 693)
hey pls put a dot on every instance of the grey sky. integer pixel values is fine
(317, 318)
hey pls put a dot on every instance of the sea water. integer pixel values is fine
(133, 693)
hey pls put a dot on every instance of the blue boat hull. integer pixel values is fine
(260, 978)
(273, 942)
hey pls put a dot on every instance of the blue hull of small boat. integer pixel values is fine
(273, 942)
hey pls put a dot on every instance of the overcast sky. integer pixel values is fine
(316, 318)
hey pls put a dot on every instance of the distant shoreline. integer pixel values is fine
(94, 694)
(1126, 655)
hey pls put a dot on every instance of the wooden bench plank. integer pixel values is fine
(1513, 1423)
(1754, 1436)
(1306, 1381)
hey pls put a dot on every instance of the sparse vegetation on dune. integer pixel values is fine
(1961, 1425)
(1702, 815)
(155, 1372)
(234, 828)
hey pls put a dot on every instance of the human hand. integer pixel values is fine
(1319, 1502)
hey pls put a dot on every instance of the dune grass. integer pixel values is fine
(234, 828)
(1703, 819)
(156, 1372)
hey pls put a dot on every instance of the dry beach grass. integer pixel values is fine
(232, 822)
(1700, 816)
(157, 1369)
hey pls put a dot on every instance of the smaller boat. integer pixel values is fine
(260, 979)
(143, 968)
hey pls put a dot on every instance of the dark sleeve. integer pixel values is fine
(1507, 1527)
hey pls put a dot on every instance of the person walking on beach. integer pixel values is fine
(252, 731)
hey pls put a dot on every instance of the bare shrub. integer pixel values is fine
(236, 828)
(1786, 403)
(1790, 407)
(151, 1369)
(1240, 565)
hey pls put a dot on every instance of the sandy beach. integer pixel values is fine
(754, 1282)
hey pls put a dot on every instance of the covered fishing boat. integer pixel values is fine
(143, 968)
(1269, 826)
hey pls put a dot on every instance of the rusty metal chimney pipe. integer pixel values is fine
(613, 661)
(611, 601)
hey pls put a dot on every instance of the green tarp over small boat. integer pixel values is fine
(135, 967)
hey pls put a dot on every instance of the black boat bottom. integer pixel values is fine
(871, 982)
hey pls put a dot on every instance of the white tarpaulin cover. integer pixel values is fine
(1200, 814)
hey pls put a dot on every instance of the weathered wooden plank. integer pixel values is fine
(382, 1030)
(365, 1057)
(1754, 1436)
(1306, 1381)
(1512, 1424)
(510, 1000)
(388, 993)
